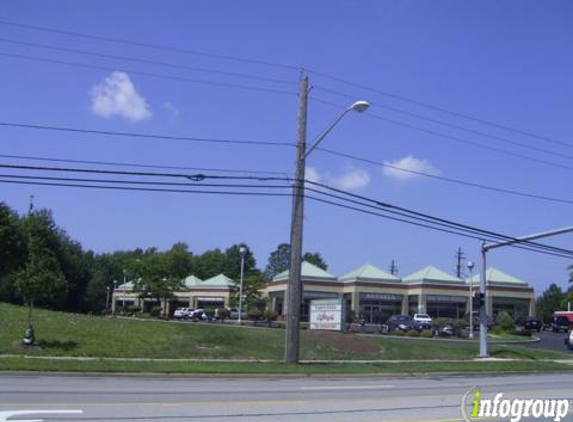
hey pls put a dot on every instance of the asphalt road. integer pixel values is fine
(276, 399)
(550, 341)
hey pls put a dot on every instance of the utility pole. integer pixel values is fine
(393, 268)
(294, 288)
(460, 257)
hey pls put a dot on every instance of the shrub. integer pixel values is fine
(398, 333)
(222, 313)
(505, 322)
(255, 314)
(270, 315)
(427, 334)
(156, 311)
(412, 333)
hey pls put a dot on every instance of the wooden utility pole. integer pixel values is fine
(294, 288)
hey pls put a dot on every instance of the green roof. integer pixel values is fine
(308, 270)
(493, 275)
(369, 272)
(220, 280)
(125, 287)
(191, 281)
(431, 273)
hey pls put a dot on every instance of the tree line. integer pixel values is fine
(41, 265)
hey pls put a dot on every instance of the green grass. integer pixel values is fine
(64, 334)
(26, 364)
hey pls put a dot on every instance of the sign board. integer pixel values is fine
(327, 314)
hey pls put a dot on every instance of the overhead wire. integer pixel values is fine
(145, 61)
(441, 109)
(405, 212)
(454, 232)
(147, 74)
(143, 135)
(137, 165)
(452, 125)
(158, 47)
(455, 138)
(446, 179)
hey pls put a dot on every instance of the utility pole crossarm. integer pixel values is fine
(488, 246)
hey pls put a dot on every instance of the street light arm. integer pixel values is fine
(326, 132)
(487, 246)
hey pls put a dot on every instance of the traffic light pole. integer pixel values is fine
(485, 247)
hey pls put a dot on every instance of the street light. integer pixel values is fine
(242, 252)
(294, 289)
(471, 267)
(107, 289)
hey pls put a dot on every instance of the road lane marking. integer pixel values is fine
(4, 415)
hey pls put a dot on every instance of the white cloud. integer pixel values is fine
(116, 96)
(407, 167)
(312, 175)
(353, 180)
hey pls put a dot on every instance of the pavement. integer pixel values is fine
(277, 399)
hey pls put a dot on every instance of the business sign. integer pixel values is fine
(326, 314)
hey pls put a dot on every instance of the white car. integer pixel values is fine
(182, 313)
(425, 318)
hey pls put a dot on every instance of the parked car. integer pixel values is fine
(182, 313)
(199, 315)
(569, 340)
(559, 323)
(234, 313)
(529, 323)
(402, 323)
(424, 321)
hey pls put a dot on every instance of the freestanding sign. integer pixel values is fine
(326, 314)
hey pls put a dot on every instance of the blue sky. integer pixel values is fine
(503, 61)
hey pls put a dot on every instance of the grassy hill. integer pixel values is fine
(65, 334)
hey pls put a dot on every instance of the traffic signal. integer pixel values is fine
(478, 300)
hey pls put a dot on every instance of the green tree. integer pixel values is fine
(209, 264)
(279, 260)
(180, 260)
(316, 259)
(156, 280)
(12, 251)
(232, 262)
(550, 301)
(252, 297)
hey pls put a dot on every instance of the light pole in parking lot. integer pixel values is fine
(242, 252)
(471, 299)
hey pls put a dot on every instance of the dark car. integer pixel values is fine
(529, 324)
(400, 322)
(559, 323)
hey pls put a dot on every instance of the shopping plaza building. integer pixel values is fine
(374, 294)
(367, 291)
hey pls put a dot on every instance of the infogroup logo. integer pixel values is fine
(476, 407)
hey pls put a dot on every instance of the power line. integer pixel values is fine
(143, 183)
(141, 189)
(454, 126)
(455, 138)
(428, 226)
(426, 218)
(143, 135)
(138, 165)
(194, 177)
(148, 74)
(152, 46)
(441, 109)
(448, 179)
(145, 61)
